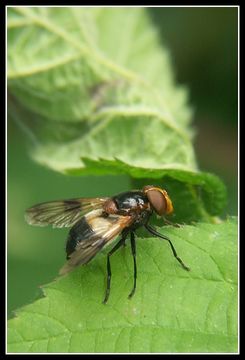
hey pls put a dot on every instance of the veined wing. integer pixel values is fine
(91, 234)
(63, 213)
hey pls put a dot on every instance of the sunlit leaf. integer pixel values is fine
(172, 310)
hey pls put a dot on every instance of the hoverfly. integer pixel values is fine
(96, 222)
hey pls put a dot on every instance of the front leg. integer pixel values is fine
(152, 231)
(170, 222)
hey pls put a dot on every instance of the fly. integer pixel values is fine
(96, 222)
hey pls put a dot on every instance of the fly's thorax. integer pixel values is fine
(131, 202)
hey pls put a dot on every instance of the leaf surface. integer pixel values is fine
(171, 311)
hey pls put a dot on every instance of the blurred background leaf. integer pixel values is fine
(203, 43)
(119, 106)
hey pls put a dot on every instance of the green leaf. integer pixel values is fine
(172, 310)
(65, 63)
(95, 99)
(111, 90)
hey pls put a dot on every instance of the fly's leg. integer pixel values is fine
(171, 223)
(133, 248)
(108, 286)
(154, 232)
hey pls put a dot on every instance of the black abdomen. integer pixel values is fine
(79, 232)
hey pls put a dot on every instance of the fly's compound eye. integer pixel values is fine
(159, 200)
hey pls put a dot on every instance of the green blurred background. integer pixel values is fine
(203, 43)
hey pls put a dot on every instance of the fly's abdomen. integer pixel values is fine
(92, 232)
(79, 232)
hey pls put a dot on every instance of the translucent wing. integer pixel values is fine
(63, 213)
(91, 234)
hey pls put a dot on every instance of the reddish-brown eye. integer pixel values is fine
(158, 199)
